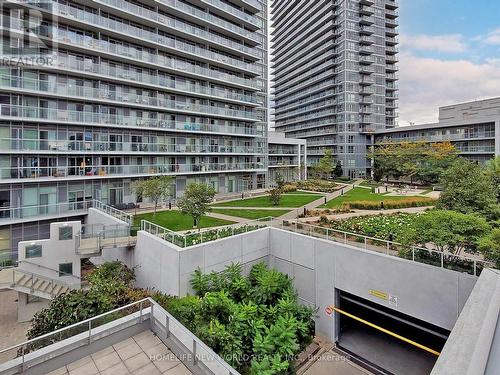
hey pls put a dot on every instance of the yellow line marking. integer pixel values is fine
(436, 353)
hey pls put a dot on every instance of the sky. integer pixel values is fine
(449, 53)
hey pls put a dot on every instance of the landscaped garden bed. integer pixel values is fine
(363, 198)
(322, 186)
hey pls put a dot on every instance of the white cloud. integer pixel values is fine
(428, 83)
(493, 37)
(453, 43)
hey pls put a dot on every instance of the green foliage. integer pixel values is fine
(493, 171)
(489, 246)
(318, 185)
(324, 168)
(448, 230)
(338, 171)
(275, 196)
(109, 288)
(467, 188)
(155, 188)
(279, 180)
(391, 204)
(254, 322)
(421, 161)
(196, 201)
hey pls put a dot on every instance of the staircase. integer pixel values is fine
(93, 246)
(31, 283)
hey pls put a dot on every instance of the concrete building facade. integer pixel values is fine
(131, 90)
(472, 127)
(286, 157)
(136, 89)
(335, 74)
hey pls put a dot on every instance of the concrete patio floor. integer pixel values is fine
(137, 355)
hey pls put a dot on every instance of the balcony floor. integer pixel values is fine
(140, 354)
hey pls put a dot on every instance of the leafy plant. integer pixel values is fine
(196, 201)
(275, 196)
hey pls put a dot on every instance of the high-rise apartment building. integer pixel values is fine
(334, 63)
(129, 90)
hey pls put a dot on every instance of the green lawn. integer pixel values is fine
(177, 221)
(249, 214)
(287, 200)
(361, 194)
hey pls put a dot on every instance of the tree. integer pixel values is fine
(324, 168)
(493, 170)
(467, 189)
(279, 180)
(448, 230)
(275, 196)
(420, 161)
(338, 171)
(155, 188)
(196, 201)
(489, 246)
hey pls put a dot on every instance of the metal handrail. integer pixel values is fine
(151, 307)
(121, 215)
(293, 225)
(184, 239)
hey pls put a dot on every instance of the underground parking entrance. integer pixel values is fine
(384, 340)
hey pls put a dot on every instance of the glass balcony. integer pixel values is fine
(235, 12)
(70, 62)
(85, 117)
(85, 92)
(88, 17)
(101, 171)
(37, 145)
(139, 53)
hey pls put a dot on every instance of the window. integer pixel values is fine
(33, 251)
(65, 233)
(65, 269)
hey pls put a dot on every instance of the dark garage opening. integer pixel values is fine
(386, 353)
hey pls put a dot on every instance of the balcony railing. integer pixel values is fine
(235, 12)
(59, 209)
(35, 145)
(71, 116)
(100, 171)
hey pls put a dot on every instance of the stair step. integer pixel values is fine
(24, 280)
(57, 289)
(37, 283)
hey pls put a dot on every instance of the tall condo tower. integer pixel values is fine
(125, 90)
(335, 74)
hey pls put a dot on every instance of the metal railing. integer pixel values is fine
(197, 237)
(171, 332)
(35, 282)
(118, 214)
(44, 210)
(414, 253)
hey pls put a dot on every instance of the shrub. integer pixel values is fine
(289, 188)
(392, 204)
(317, 185)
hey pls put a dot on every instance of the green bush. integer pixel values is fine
(390, 205)
(317, 185)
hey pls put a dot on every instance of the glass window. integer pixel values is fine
(65, 269)
(65, 233)
(33, 251)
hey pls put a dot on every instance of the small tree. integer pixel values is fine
(275, 196)
(155, 188)
(325, 165)
(338, 171)
(279, 180)
(196, 201)
(493, 170)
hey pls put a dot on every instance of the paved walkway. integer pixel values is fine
(319, 202)
(227, 217)
(11, 331)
